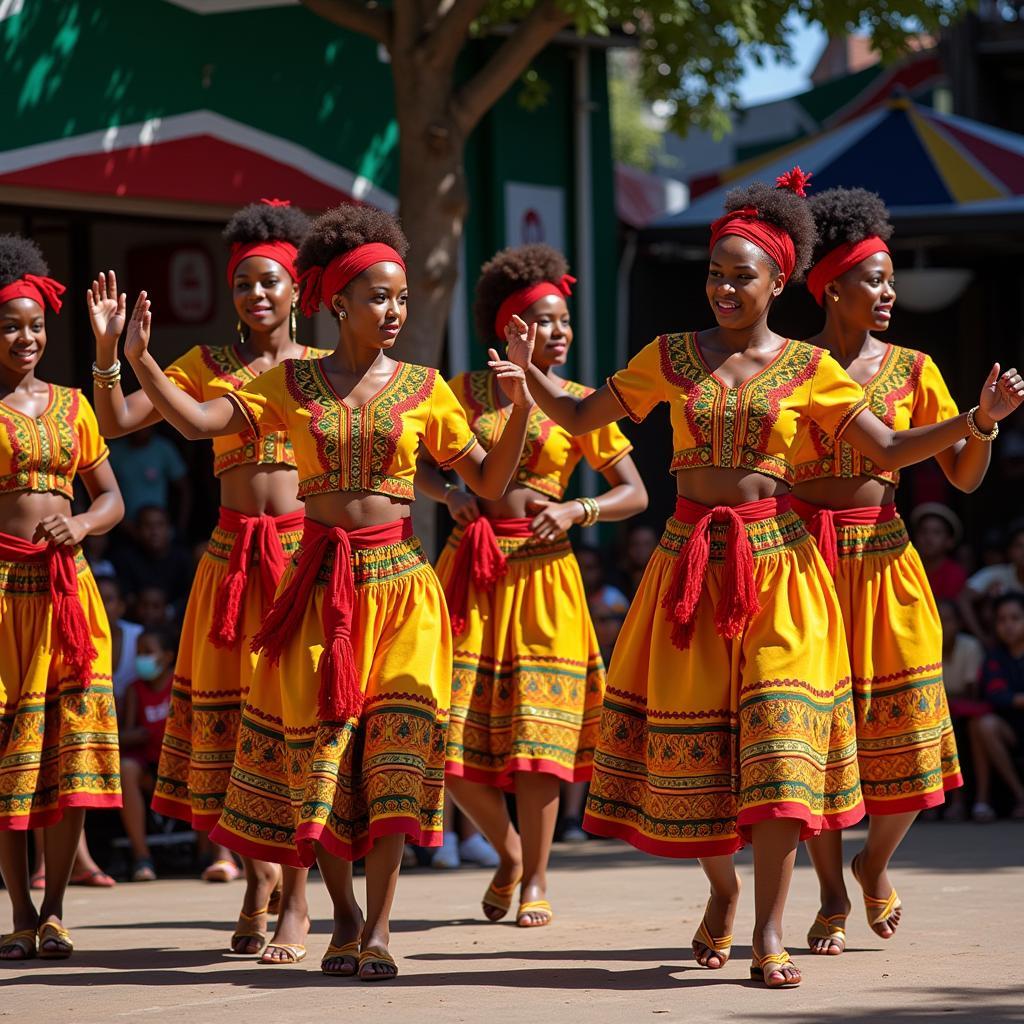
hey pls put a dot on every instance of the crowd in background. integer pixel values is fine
(144, 571)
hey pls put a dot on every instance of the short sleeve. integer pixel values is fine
(836, 398)
(932, 401)
(186, 373)
(92, 448)
(641, 385)
(446, 434)
(262, 403)
(460, 389)
(604, 447)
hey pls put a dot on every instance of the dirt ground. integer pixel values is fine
(619, 950)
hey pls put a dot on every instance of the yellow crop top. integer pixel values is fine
(907, 391)
(372, 448)
(212, 371)
(756, 426)
(550, 454)
(45, 453)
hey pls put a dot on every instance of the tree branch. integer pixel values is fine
(513, 57)
(452, 30)
(354, 15)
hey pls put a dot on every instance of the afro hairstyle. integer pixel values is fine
(347, 227)
(786, 210)
(847, 215)
(511, 269)
(264, 222)
(20, 256)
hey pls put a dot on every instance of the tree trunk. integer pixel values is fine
(433, 202)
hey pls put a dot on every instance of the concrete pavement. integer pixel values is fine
(619, 950)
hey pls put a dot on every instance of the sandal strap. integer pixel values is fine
(720, 945)
(59, 933)
(778, 959)
(20, 938)
(534, 905)
(295, 950)
(255, 914)
(884, 907)
(350, 949)
(376, 955)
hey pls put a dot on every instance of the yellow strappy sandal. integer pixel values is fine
(719, 947)
(832, 929)
(878, 910)
(535, 907)
(772, 960)
(25, 940)
(248, 930)
(349, 951)
(376, 955)
(500, 898)
(294, 952)
(50, 931)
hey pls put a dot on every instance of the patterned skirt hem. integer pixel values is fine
(44, 819)
(272, 853)
(844, 819)
(312, 832)
(660, 847)
(182, 810)
(917, 802)
(503, 778)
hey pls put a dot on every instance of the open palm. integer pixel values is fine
(106, 309)
(136, 342)
(1002, 394)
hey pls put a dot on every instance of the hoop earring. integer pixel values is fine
(293, 326)
(342, 315)
(240, 327)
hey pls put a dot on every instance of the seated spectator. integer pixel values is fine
(96, 548)
(152, 610)
(996, 734)
(124, 635)
(991, 582)
(962, 657)
(641, 542)
(154, 560)
(593, 568)
(145, 710)
(937, 531)
(148, 468)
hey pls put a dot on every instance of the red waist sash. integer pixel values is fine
(341, 696)
(738, 603)
(70, 630)
(822, 522)
(252, 534)
(478, 558)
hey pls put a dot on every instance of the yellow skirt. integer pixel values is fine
(58, 739)
(296, 781)
(697, 745)
(528, 679)
(210, 684)
(905, 744)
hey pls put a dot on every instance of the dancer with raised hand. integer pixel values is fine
(58, 725)
(905, 746)
(258, 529)
(341, 748)
(727, 716)
(528, 679)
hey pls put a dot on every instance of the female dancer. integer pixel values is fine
(727, 715)
(528, 678)
(905, 746)
(58, 727)
(259, 527)
(341, 749)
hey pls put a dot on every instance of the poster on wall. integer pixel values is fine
(179, 276)
(534, 213)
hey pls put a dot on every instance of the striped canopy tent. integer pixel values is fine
(932, 169)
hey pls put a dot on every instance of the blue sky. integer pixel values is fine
(776, 80)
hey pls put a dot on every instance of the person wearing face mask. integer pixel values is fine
(528, 678)
(58, 727)
(905, 746)
(340, 754)
(728, 715)
(143, 718)
(259, 527)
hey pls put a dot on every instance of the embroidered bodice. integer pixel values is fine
(907, 390)
(550, 454)
(372, 448)
(44, 453)
(211, 371)
(756, 426)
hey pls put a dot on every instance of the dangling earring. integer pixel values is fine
(835, 298)
(342, 315)
(293, 326)
(240, 327)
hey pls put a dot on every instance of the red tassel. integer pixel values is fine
(341, 697)
(687, 583)
(823, 529)
(227, 609)
(477, 558)
(739, 602)
(76, 641)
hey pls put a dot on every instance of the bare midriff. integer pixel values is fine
(21, 511)
(835, 492)
(352, 510)
(257, 490)
(724, 486)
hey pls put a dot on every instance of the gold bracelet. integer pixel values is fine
(591, 511)
(976, 431)
(109, 383)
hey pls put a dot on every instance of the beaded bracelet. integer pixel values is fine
(976, 431)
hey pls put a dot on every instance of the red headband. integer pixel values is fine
(320, 284)
(521, 300)
(837, 262)
(747, 223)
(281, 252)
(43, 290)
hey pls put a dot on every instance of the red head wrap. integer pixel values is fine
(521, 300)
(43, 290)
(837, 262)
(320, 284)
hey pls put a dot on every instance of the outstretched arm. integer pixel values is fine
(116, 413)
(894, 449)
(193, 420)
